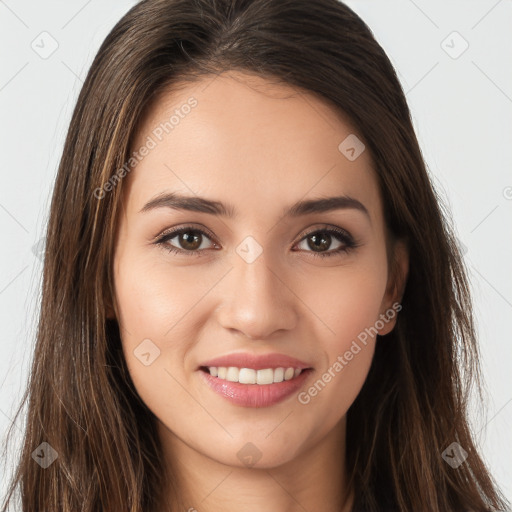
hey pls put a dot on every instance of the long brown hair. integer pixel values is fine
(81, 400)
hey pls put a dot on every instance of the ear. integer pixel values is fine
(391, 302)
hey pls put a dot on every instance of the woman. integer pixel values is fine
(251, 298)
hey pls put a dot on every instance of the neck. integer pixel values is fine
(313, 480)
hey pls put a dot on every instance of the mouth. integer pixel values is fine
(262, 377)
(254, 380)
(246, 391)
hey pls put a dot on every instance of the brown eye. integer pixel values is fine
(190, 240)
(320, 241)
(187, 240)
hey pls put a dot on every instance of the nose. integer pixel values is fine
(257, 299)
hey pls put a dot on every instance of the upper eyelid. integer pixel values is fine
(326, 227)
(173, 232)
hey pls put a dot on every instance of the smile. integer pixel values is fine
(251, 376)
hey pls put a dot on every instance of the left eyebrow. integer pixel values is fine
(200, 204)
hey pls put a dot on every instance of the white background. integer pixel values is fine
(461, 109)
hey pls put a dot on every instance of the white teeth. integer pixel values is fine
(250, 376)
(265, 376)
(288, 374)
(247, 376)
(232, 374)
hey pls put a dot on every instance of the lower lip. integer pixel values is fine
(255, 395)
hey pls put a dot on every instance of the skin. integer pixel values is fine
(260, 147)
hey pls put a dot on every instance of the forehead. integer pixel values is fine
(250, 142)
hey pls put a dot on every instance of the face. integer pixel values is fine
(247, 278)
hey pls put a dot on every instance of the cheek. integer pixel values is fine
(347, 300)
(152, 303)
(337, 382)
(155, 303)
(153, 297)
(349, 308)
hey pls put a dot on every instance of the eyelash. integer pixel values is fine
(339, 233)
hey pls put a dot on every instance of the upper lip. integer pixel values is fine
(256, 362)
